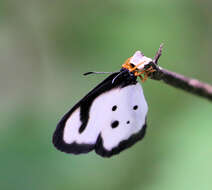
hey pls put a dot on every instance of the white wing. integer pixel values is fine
(116, 115)
(109, 119)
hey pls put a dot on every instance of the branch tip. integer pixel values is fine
(158, 54)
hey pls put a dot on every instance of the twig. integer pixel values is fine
(179, 81)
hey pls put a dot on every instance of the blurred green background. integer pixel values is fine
(47, 45)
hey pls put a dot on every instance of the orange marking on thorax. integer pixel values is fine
(136, 71)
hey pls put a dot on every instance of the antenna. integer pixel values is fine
(88, 73)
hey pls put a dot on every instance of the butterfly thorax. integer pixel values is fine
(136, 66)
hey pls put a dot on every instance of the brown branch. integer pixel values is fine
(179, 81)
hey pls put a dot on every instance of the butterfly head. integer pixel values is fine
(136, 65)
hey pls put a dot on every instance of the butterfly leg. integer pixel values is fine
(150, 70)
(136, 67)
(127, 65)
(145, 72)
(139, 74)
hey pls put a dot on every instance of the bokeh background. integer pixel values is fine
(47, 45)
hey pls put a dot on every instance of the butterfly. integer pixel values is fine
(111, 117)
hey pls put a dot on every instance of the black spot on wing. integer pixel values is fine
(114, 108)
(128, 122)
(114, 124)
(135, 107)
